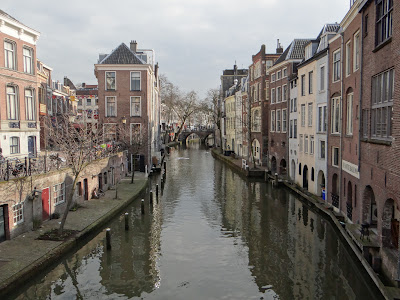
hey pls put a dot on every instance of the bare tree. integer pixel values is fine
(214, 106)
(76, 145)
(132, 137)
(184, 108)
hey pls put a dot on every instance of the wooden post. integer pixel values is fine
(108, 238)
(126, 221)
(151, 198)
(157, 190)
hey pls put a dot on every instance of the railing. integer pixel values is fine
(335, 200)
(14, 167)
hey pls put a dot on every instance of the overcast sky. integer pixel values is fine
(194, 40)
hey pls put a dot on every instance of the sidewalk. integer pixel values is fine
(24, 256)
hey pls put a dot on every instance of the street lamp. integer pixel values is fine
(123, 120)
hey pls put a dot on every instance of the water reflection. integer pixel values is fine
(213, 235)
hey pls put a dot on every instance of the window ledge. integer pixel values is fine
(376, 141)
(383, 44)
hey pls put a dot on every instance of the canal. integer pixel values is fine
(212, 235)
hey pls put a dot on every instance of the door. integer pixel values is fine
(85, 189)
(45, 204)
(100, 177)
(32, 146)
(2, 224)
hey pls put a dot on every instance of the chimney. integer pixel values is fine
(133, 46)
(83, 84)
(279, 49)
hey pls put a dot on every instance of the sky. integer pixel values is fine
(194, 40)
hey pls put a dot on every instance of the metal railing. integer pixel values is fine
(15, 167)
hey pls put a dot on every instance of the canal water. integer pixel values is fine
(212, 235)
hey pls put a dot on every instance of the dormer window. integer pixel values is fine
(308, 51)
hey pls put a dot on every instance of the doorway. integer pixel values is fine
(2, 223)
(32, 146)
(85, 189)
(45, 204)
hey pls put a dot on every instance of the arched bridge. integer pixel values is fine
(203, 134)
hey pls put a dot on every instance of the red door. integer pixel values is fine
(45, 204)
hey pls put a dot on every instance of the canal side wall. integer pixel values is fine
(325, 209)
(19, 191)
(127, 193)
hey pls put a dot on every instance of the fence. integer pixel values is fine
(14, 167)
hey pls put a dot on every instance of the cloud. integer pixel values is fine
(194, 40)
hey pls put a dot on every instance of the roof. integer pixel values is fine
(294, 51)
(122, 55)
(3, 13)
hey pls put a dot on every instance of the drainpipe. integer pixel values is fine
(341, 119)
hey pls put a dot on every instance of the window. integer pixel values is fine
(272, 120)
(28, 60)
(30, 105)
(356, 55)
(349, 120)
(109, 131)
(284, 72)
(14, 145)
(111, 107)
(310, 114)
(335, 156)
(382, 102)
(59, 193)
(9, 55)
(135, 81)
(268, 64)
(295, 128)
(294, 104)
(322, 149)
(365, 25)
(348, 58)
(303, 115)
(322, 118)
(278, 75)
(310, 82)
(88, 101)
(384, 10)
(273, 77)
(303, 85)
(136, 133)
(291, 129)
(279, 94)
(285, 93)
(135, 107)
(110, 81)
(284, 120)
(335, 113)
(18, 213)
(311, 144)
(306, 144)
(272, 95)
(336, 65)
(301, 143)
(12, 103)
(278, 120)
(79, 102)
(322, 79)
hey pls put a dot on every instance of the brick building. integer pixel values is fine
(284, 68)
(128, 93)
(258, 97)
(19, 129)
(380, 111)
(343, 126)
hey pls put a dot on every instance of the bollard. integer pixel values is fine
(157, 190)
(108, 238)
(165, 166)
(126, 221)
(151, 198)
(142, 206)
(162, 183)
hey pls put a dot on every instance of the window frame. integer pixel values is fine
(336, 66)
(284, 120)
(30, 107)
(132, 114)
(26, 58)
(59, 193)
(322, 78)
(310, 114)
(349, 113)
(106, 106)
(273, 114)
(140, 81)
(310, 82)
(303, 115)
(107, 88)
(18, 213)
(278, 120)
(335, 115)
(12, 103)
(348, 58)
(356, 51)
(8, 52)
(335, 155)
(387, 18)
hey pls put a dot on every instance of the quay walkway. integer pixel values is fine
(25, 255)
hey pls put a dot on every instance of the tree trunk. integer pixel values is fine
(69, 202)
(133, 168)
